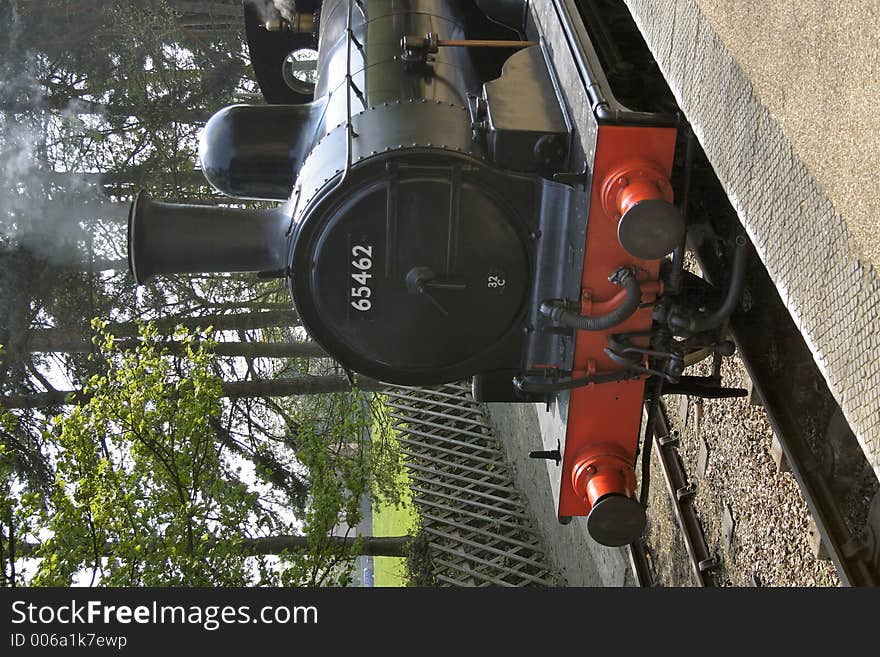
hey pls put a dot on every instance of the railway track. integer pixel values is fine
(827, 462)
(800, 407)
(681, 490)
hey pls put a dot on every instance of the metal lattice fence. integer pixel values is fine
(477, 525)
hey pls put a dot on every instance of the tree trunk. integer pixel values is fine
(300, 385)
(231, 322)
(371, 546)
(130, 178)
(244, 305)
(96, 265)
(74, 345)
(284, 387)
(189, 7)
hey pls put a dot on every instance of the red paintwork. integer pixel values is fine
(650, 291)
(601, 468)
(604, 420)
(632, 182)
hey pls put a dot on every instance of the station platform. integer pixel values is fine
(783, 96)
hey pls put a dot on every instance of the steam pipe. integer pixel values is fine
(530, 384)
(709, 321)
(675, 275)
(170, 238)
(625, 277)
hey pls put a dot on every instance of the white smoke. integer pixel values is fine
(41, 209)
(270, 9)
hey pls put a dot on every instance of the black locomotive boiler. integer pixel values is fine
(444, 217)
(407, 242)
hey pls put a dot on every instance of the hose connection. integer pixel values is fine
(562, 312)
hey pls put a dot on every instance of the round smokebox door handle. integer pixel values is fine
(419, 280)
(441, 284)
(415, 280)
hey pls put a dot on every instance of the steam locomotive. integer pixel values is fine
(462, 196)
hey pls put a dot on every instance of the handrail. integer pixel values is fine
(350, 134)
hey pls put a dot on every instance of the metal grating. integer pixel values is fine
(478, 528)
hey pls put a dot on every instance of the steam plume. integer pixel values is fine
(36, 211)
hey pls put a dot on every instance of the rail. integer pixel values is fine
(794, 397)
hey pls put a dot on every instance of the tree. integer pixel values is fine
(232, 322)
(147, 491)
(250, 349)
(99, 118)
(138, 469)
(368, 546)
(9, 511)
(281, 387)
(85, 121)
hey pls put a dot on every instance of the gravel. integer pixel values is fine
(770, 541)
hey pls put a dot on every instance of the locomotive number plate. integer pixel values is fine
(361, 272)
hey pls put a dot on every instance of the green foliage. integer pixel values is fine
(344, 467)
(157, 479)
(13, 519)
(419, 567)
(397, 519)
(143, 496)
(147, 493)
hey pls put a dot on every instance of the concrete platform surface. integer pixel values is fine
(784, 95)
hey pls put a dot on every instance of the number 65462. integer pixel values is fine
(361, 266)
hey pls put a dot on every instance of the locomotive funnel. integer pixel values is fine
(169, 238)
